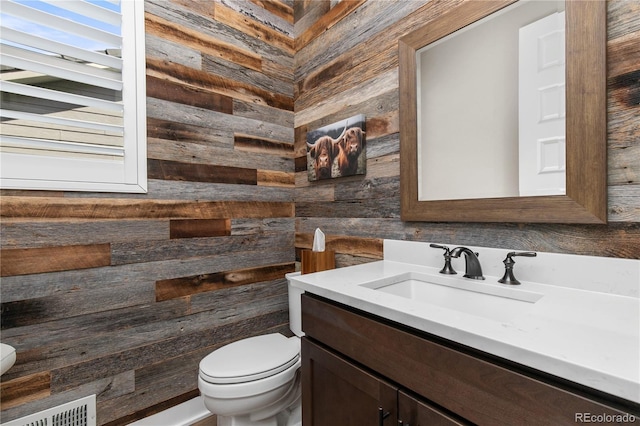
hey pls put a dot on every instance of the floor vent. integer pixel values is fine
(81, 412)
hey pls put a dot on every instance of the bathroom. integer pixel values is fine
(111, 298)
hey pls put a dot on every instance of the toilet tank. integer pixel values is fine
(295, 306)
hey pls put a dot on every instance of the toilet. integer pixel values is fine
(256, 381)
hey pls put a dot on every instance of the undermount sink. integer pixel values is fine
(477, 298)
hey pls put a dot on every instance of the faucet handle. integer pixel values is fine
(508, 277)
(447, 268)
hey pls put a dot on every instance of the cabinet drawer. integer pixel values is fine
(414, 412)
(337, 393)
(477, 390)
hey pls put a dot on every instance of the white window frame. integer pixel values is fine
(38, 172)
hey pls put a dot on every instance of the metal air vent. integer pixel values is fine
(81, 412)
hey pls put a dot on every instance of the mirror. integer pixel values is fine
(584, 199)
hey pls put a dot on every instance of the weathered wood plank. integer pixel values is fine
(278, 8)
(163, 28)
(311, 194)
(622, 18)
(277, 83)
(224, 86)
(366, 91)
(262, 11)
(326, 21)
(190, 248)
(212, 155)
(197, 16)
(261, 145)
(187, 286)
(274, 178)
(383, 207)
(78, 301)
(253, 28)
(188, 228)
(138, 357)
(380, 111)
(198, 172)
(24, 261)
(307, 12)
(166, 50)
(47, 345)
(624, 203)
(612, 240)
(132, 283)
(263, 226)
(216, 121)
(96, 208)
(623, 55)
(624, 168)
(25, 389)
(107, 388)
(136, 331)
(21, 233)
(357, 246)
(263, 113)
(188, 95)
(199, 153)
(182, 190)
(187, 134)
(389, 19)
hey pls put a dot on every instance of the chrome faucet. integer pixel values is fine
(472, 264)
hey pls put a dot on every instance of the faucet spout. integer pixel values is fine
(472, 263)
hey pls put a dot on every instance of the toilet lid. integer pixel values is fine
(250, 359)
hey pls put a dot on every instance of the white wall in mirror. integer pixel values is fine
(468, 113)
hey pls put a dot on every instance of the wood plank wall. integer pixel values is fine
(347, 64)
(123, 295)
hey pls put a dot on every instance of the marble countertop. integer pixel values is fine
(585, 336)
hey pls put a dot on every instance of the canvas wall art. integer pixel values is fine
(337, 150)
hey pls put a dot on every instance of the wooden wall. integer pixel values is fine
(123, 295)
(347, 64)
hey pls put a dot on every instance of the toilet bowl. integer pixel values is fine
(256, 381)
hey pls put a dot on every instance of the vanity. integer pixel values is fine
(396, 342)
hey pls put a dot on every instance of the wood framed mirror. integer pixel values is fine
(585, 200)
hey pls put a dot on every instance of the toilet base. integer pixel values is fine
(289, 417)
(245, 421)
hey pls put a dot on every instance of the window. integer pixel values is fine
(73, 110)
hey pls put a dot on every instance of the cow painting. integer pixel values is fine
(337, 150)
(324, 151)
(350, 150)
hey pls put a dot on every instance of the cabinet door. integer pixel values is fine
(413, 412)
(338, 393)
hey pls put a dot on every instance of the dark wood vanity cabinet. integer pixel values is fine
(337, 392)
(360, 370)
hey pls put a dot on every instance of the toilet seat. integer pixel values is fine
(250, 359)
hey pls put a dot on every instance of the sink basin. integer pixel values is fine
(477, 298)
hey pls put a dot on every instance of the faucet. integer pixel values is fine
(472, 264)
(447, 269)
(508, 277)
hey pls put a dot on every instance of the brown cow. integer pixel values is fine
(324, 151)
(350, 149)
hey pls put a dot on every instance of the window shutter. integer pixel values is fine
(73, 95)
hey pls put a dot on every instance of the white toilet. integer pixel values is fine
(256, 381)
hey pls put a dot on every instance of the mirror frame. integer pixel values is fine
(586, 126)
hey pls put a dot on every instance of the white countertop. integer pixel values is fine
(585, 336)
